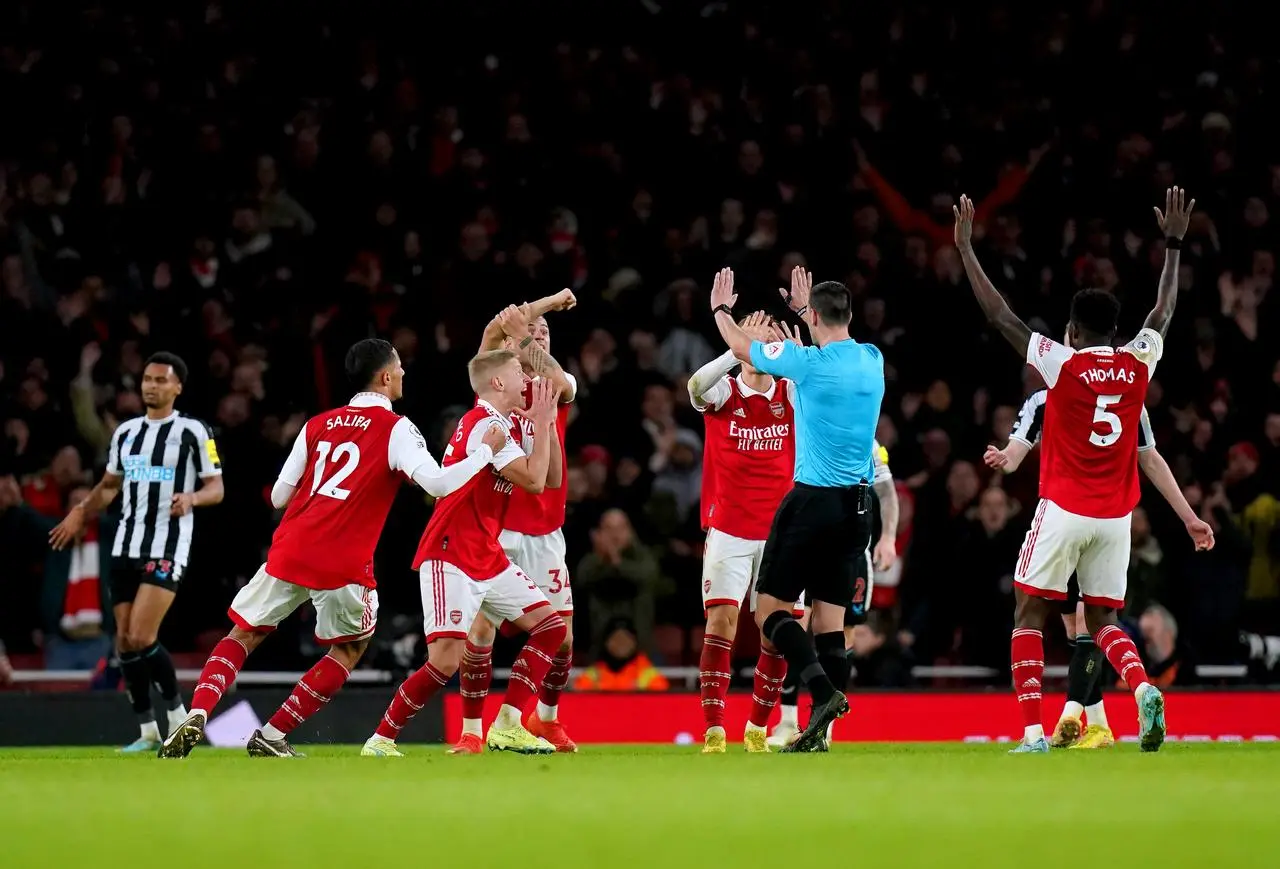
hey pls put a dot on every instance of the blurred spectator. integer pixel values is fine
(619, 579)
(1148, 582)
(622, 665)
(878, 661)
(1167, 659)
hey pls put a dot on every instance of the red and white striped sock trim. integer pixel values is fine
(534, 650)
(318, 697)
(548, 624)
(416, 707)
(209, 686)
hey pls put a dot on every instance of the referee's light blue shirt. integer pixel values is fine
(838, 392)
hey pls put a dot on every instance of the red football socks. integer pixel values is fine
(771, 671)
(218, 674)
(311, 693)
(714, 676)
(1027, 658)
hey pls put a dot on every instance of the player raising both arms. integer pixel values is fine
(1084, 675)
(532, 536)
(746, 472)
(1088, 473)
(339, 483)
(464, 572)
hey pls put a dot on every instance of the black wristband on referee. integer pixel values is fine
(1172, 242)
(718, 308)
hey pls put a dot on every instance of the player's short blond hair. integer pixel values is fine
(482, 368)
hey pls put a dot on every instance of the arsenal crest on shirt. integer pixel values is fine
(777, 409)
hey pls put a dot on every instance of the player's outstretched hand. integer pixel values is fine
(964, 222)
(995, 458)
(757, 326)
(565, 300)
(786, 332)
(514, 322)
(722, 289)
(797, 298)
(67, 530)
(546, 398)
(1177, 213)
(1201, 533)
(495, 438)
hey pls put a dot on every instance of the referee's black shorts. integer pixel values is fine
(817, 536)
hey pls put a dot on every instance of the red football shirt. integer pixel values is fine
(464, 527)
(544, 513)
(348, 464)
(750, 458)
(1092, 416)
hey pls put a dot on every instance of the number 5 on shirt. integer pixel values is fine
(1103, 416)
(330, 488)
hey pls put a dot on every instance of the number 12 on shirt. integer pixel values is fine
(330, 488)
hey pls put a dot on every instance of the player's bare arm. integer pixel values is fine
(1008, 459)
(994, 306)
(797, 298)
(722, 300)
(515, 324)
(530, 473)
(1173, 222)
(103, 494)
(555, 469)
(210, 493)
(1161, 476)
(561, 301)
(886, 549)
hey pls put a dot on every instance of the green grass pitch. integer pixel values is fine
(661, 806)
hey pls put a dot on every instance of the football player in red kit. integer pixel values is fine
(532, 537)
(338, 483)
(1088, 470)
(748, 468)
(464, 572)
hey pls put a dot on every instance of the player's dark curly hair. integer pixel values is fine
(1096, 312)
(365, 359)
(173, 360)
(833, 302)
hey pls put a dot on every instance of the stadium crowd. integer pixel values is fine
(254, 190)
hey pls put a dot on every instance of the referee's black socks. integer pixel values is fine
(833, 658)
(782, 629)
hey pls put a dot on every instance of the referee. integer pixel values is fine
(824, 524)
(155, 460)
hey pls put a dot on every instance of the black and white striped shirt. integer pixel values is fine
(1030, 423)
(158, 458)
